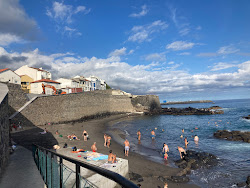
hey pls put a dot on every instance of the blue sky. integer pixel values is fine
(179, 50)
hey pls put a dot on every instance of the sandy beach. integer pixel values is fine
(148, 169)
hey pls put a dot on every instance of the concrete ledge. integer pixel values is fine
(121, 167)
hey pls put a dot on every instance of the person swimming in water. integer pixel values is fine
(153, 134)
(186, 142)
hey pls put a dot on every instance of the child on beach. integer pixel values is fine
(93, 147)
(108, 141)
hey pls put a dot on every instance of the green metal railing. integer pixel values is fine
(56, 175)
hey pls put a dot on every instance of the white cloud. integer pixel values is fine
(118, 52)
(144, 32)
(138, 79)
(71, 31)
(222, 66)
(185, 53)
(184, 31)
(180, 45)
(143, 12)
(131, 52)
(225, 50)
(62, 14)
(6, 39)
(222, 51)
(171, 63)
(199, 28)
(156, 57)
(15, 24)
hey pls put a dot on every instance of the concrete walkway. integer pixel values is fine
(21, 171)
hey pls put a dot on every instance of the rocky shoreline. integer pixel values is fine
(247, 117)
(192, 161)
(188, 111)
(233, 135)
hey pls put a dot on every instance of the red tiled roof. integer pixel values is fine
(46, 80)
(1, 70)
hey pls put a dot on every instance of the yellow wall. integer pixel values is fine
(28, 80)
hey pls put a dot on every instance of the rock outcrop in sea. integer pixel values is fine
(192, 161)
(247, 117)
(233, 135)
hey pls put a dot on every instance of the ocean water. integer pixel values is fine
(234, 157)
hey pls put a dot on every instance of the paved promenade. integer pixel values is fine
(21, 171)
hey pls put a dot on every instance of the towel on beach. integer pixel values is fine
(102, 157)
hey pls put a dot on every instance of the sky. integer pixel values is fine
(178, 50)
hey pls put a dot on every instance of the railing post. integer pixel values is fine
(52, 156)
(46, 180)
(61, 173)
(77, 176)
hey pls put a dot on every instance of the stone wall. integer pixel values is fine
(146, 103)
(17, 98)
(72, 107)
(81, 106)
(4, 127)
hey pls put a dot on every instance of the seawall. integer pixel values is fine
(4, 127)
(79, 106)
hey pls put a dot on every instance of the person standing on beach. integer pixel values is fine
(85, 135)
(127, 146)
(105, 140)
(165, 149)
(108, 140)
(153, 134)
(139, 135)
(93, 147)
(182, 152)
(186, 142)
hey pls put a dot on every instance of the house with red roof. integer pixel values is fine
(7, 75)
(36, 86)
(34, 73)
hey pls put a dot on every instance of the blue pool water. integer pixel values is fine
(234, 157)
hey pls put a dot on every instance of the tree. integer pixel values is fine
(107, 86)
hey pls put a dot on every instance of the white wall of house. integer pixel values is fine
(36, 87)
(95, 83)
(34, 73)
(67, 83)
(10, 76)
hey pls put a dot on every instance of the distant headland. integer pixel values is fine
(187, 102)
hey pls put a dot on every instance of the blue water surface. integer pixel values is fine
(234, 157)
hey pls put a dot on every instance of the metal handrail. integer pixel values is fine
(104, 172)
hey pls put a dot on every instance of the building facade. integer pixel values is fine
(25, 83)
(34, 73)
(7, 75)
(36, 86)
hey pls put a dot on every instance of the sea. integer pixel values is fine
(233, 156)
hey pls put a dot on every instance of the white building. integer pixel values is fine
(68, 83)
(7, 75)
(34, 73)
(84, 83)
(96, 83)
(36, 86)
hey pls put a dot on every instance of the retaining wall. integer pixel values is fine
(4, 127)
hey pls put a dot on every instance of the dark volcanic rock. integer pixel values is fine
(135, 177)
(179, 179)
(191, 111)
(195, 160)
(247, 117)
(233, 135)
(241, 184)
(248, 180)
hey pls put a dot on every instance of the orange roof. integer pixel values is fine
(46, 80)
(1, 70)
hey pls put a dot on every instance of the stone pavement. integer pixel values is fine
(21, 172)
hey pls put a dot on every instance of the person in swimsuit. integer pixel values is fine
(139, 135)
(153, 134)
(111, 157)
(126, 143)
(85, 135)
(182, 152)
(93, 147)
(186, 142)
(105, 140)
(74, 137)
(165, 149)
(165, 156)
(196, 138)
(108, 141)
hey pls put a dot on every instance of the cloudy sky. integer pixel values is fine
(179, 50)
